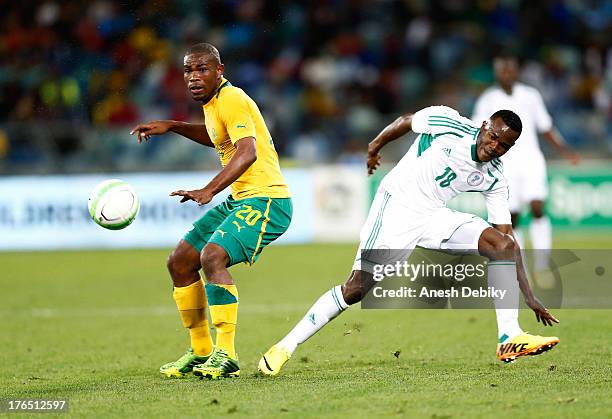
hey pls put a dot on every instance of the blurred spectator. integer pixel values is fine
(328, 74)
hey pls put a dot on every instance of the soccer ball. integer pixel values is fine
(113, 204)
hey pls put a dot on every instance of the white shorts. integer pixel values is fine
(392, 230)
(526, 180)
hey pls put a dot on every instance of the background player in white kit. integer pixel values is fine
(524, 165)
(450, 156)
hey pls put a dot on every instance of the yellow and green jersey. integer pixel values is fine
(231, 115)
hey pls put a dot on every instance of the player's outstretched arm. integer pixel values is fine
(195, 132)
(243, 158)
(553, 136)
(393, 131)
(542, 314)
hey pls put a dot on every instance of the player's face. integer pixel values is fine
(506, 71)
(202, 75)
(494, 139)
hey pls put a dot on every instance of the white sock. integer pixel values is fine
(502, 276)
(540, 232)
(325, 309)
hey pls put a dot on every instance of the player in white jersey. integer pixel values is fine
(524, 165)
(450, 156)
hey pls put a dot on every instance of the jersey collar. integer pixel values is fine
(224, 83)
(475, 154)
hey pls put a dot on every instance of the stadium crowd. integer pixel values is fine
(327, 74)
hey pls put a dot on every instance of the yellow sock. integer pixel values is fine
(191, 304)
(223, 304)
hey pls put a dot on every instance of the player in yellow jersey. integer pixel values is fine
(257, 212)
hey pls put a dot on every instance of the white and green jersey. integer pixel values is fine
(524, 164)
(442, 163)
(528, 104)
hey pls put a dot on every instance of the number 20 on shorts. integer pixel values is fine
(249, 215)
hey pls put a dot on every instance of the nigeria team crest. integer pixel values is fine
(475, 178)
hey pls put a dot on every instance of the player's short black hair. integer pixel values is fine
(508, 55)
(512, 120)
(205, 48)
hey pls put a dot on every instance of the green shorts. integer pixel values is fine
(242, 227)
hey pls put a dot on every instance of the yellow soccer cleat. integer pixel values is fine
(524, 344)
(273, 360)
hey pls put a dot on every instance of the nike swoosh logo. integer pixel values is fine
(267, 365)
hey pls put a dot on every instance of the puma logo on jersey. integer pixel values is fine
(512, 348)
(221, 232)
(447, 151)
(238, 226)
(241, 126)
(212, 133)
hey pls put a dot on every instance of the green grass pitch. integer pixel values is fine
(94, 327)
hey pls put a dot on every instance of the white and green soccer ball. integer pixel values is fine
(113, 204)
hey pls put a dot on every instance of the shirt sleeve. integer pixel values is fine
(543, 119)
(236, 115)
(434, 119)
(496, 199)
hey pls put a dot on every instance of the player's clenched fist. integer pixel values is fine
(144, 131)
